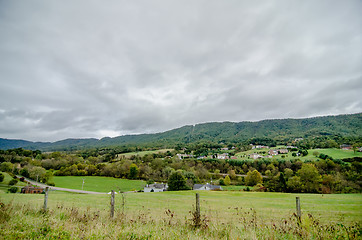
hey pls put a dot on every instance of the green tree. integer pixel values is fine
(221, 182)
(6, 167)
(24, 172)
(232, 174)
(253, 178)
(177, 182)
(38, 174)
(288, 173)
(13, 189)
(294, 184)
(13, 182)
(355, 147)
(309, 177)
(133, 171)
(227, 180)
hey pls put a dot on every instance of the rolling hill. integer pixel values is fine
(340, 125)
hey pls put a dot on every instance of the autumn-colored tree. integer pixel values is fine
(253, 178)
(227, 180)
(309, 178)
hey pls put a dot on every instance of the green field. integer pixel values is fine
(4, 185)
(98, 184)
(333, 152)
(167, 215)
(143, 153)
(234, 188)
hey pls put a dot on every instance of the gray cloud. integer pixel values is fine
(95, 69)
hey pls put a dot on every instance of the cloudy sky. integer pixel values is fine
(77, 69)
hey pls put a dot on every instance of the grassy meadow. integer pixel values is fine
(4, 185)
(98, 184)
(143, 153)
(168, 215)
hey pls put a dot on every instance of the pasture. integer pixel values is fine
(4, 185)
(225, 215)
(98, 184)
(143, 153)
(333, 152)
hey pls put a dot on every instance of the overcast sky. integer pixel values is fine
(78, 69)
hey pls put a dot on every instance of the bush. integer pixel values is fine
(13, 189)
(13, 182)
(221, 182)
(51, 184)
(2, 177)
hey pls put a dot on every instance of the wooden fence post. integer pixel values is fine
(299, 212)
(197, 213)
(45, 199)
(112, 204)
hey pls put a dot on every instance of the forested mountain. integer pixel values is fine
(227, 132)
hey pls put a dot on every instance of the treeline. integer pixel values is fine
(324, 176)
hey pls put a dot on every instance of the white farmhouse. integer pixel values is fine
(156, 187)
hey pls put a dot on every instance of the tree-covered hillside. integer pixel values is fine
(227, 132)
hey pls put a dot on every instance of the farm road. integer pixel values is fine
(58, 188)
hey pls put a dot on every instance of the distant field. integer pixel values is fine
(98, 184)
(333, 152)
(234, 188)
(336, 153)
(143, 153)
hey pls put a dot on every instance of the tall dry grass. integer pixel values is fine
(24, 221)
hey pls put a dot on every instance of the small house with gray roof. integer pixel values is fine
(156, 187)
(206, 186)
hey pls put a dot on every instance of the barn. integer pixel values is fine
(32, 189)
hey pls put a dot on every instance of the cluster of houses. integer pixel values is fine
(271, 153)
(349, 147)
(215, 156)
(162, 187)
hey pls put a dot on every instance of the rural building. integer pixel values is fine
(346, 147)
(32, 189)
(255, 156)
(206, 187)
(183, 156)
(283, 151)
(273, 152)
(223, 156)
(259, 146)
(156, 187)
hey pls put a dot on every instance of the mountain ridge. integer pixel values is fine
(341, 125)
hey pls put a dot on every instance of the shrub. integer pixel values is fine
(51, 184)
(2, 177)
(13, 189)
(13, 182)
(221, 182)
(253, 178)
